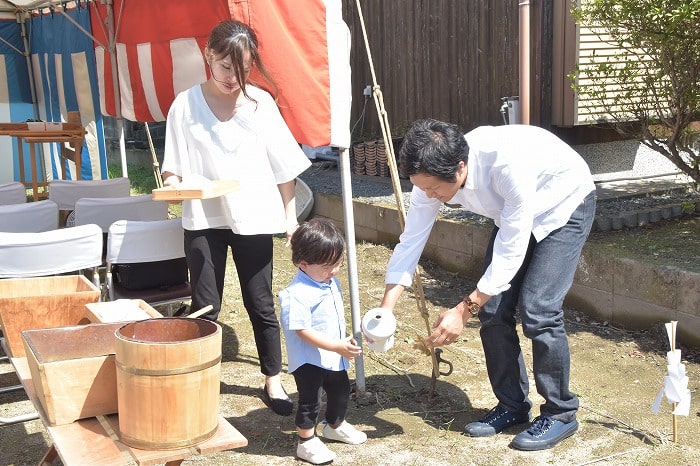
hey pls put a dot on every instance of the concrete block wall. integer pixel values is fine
(624, 291)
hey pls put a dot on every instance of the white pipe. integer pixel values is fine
(349, 219)
(524, 60)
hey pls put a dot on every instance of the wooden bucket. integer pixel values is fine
(168, 375)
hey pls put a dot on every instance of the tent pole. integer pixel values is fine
(28, 56)
(115, 85)
(349, 221)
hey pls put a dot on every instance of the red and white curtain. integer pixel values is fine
(159, 44)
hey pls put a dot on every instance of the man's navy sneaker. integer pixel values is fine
(545, 432)
(495, 421)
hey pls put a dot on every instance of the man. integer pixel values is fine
(541, 196)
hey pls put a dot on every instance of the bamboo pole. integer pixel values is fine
(156, 165)
(391, 160)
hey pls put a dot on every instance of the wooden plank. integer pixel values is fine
(215, 189)
(95, 441)
(225, 438)
(87, 442)
(121, 310)
(40, 129)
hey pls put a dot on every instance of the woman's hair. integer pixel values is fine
(317, 241)
(233, 39)
(434, 148)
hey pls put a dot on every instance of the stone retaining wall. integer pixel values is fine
(627, 292)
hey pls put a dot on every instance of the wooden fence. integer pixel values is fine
(447, 59)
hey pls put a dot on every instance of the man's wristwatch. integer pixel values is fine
(472, 307)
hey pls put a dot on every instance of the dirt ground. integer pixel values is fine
(616, 373)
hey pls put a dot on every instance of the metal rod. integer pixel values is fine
(349, 220)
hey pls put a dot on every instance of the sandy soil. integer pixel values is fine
(616, 373)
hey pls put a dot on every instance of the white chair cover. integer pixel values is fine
(13, 193)
(65, 193)
(50, 252)
(105, 211)
(30, 217)
(133, 241)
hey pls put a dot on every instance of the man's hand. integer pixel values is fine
(446, 329)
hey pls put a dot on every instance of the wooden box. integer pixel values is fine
(121, 310)
(42, 302)
(73, 370)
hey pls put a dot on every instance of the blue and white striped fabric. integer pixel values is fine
(64, 74)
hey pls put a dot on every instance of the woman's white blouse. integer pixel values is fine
(254, 147)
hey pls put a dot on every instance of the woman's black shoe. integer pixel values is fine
(281, 406)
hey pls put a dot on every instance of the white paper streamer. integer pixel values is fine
(675, 387)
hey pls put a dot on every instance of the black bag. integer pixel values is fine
(145, 275)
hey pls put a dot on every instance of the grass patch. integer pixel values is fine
(141, 179)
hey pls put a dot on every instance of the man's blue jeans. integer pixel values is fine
(538, 291)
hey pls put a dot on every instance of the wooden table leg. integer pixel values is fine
(20, 155)
(35, 185)
(49, 457)
(78, 159)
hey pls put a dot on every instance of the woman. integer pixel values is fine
(228, 128)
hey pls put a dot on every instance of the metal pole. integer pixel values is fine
(21, 19)
(349, 219)
(115, 84)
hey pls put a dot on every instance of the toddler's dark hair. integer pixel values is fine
(317, 241)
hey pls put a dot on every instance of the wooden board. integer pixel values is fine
(214, 188)
(121, 310)
(101, 434)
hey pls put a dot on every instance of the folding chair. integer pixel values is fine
(66, 193)
(104, 211)
(13, 193)
(43, 254)
(30, 217)
(53, 252)
(152, 250)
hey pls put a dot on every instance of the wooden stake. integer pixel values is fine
(675, 424)
(675, 417)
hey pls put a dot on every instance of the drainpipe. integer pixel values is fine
(524, 60)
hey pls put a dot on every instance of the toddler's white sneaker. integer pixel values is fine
(345, 433)
(315, 451)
